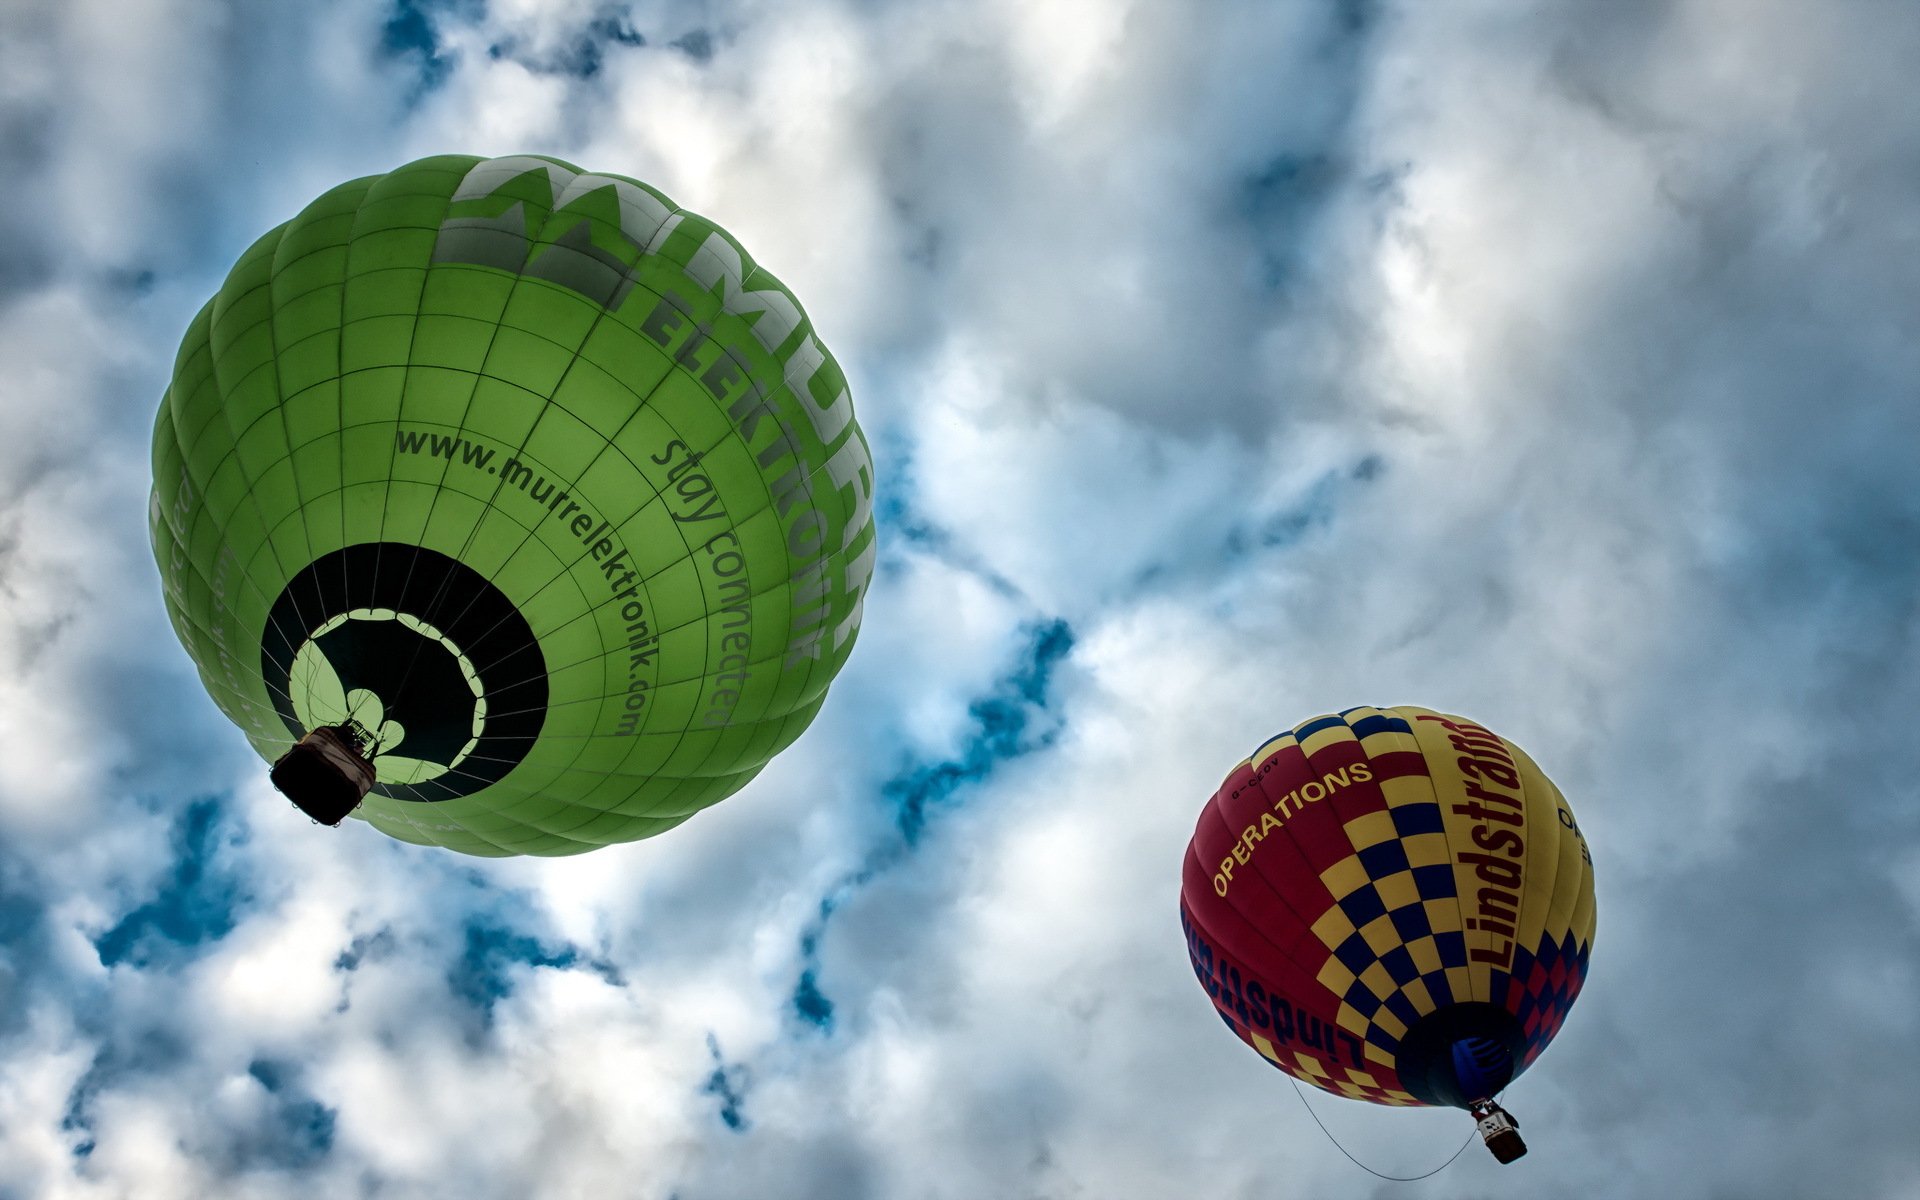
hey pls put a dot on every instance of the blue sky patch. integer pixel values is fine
(492, 953)
(199, 900)
(1010, 721)
(729, 1086)
(298, 1130)
(483, 973)
(366, 947)
(1007, 724)
(581, 57)
(1287, 526)
(410, 35)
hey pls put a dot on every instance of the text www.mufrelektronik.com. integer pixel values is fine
(593, 533)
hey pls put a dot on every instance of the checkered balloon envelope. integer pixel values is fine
(1392, 904)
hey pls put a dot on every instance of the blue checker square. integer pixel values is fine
(1356, 956)
(1363, 905)
(1409, 819)
(1401, 1007)
(1452, 947)
(1379, 723)
(1410, 922)
(1399, 965)
(1438, 988)
(1303, 732)
(1435, 882)
(1387, 858)
(1361, 1000)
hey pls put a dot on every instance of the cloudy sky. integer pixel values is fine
(1224, 363)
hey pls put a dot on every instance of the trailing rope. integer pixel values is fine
(1356, 1162)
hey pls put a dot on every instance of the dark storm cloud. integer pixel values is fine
(28, 142)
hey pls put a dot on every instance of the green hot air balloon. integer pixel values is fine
(521, 486)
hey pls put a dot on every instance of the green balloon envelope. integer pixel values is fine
(537, 478)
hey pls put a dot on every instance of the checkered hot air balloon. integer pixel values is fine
(1393, 905)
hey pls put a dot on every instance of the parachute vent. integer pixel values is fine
(1481, 1065)
(1460, 1053)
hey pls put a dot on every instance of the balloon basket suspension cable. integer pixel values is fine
(1364, 1167)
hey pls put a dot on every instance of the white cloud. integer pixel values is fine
(1549, 366)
